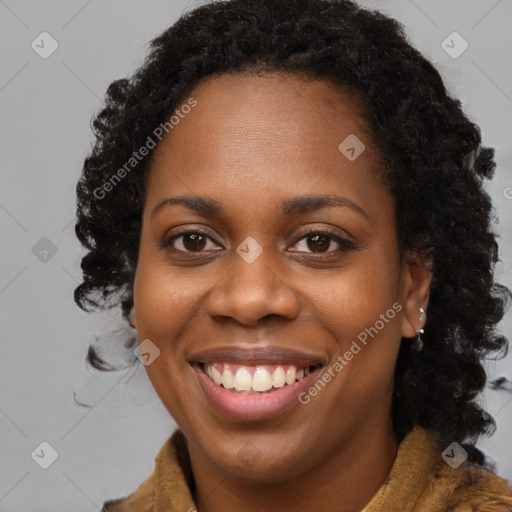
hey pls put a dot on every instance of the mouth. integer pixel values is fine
(256, 379)
(254, 384)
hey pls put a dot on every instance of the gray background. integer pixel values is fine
(108, 449)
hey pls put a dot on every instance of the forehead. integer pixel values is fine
(259, 122)
(279, 100)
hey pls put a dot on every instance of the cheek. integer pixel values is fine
(164, 300)
(165, 305)
(350, 299)
(360, 309)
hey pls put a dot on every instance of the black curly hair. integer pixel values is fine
(435, 167)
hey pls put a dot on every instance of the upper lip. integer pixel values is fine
(269, 355)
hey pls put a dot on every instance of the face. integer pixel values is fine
(278, 274)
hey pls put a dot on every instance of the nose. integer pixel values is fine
(249, 292)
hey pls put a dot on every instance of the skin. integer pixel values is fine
(251, 142)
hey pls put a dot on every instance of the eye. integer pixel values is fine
(319, 241)
(190, 241)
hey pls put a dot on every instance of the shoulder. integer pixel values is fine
(140, 500)
(464, 486)
(169, 483)
(421, 479)
(475, 489)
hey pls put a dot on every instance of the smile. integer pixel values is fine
(255, 379)
(247, 404)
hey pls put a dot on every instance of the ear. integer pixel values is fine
(133, 319)
(416, 280)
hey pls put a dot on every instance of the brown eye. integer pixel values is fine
(321, 241)
(318, 243)
(192, 241)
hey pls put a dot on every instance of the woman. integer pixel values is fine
(289, 208)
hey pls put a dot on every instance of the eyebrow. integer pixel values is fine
(294, 206)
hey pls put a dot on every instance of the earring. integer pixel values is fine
(417, 344)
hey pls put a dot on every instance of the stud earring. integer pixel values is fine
(417, 344)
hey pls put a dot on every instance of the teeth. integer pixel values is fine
(278, 377)
(290, 375)
(217, 377)
(228, 381)
(254, 379)
(243, 379)
(261, 380)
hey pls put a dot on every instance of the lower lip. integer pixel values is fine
(255, 407)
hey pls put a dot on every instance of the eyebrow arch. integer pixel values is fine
(294, 206)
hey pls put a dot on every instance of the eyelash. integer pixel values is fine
(344, 243)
